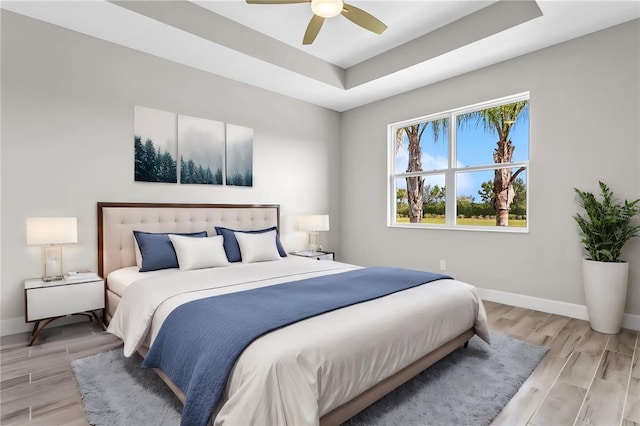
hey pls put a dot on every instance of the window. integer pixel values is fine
(472, 175)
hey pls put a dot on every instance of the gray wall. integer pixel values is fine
(67, 123)
(67, 143)
(584, 128)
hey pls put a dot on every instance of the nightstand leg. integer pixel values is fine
(86, 314)
(98, 320)
(37, 329)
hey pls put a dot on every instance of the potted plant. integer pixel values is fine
(605, 229)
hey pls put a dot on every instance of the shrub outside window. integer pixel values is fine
(473, 175)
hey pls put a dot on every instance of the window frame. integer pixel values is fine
(450, 173)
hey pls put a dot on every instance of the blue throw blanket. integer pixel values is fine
(200, 341)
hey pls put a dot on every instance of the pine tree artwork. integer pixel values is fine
(155, 145)
(239, 155)
(201, 147)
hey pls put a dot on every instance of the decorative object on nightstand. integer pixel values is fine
(80, 276)
(50, 232)
(317, 255)
(48, 301)
(313, 224)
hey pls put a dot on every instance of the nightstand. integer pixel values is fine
(319, 255)
(48, 301)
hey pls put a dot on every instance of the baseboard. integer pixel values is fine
(630, 321)
(18, 325)
(14, 326)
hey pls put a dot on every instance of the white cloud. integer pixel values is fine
(434, 163)
(466, 185)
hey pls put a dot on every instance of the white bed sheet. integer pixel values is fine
(120, 279)
(286, 376)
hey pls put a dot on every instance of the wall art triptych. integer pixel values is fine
(177, 148)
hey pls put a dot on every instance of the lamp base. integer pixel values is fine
(55, 278)
(52, 264)
(314, 241)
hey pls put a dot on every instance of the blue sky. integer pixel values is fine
(474, 147)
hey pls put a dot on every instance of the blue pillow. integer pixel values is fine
(232, 248)
(157, 250)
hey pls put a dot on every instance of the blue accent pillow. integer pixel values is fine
(232, 248)
(157, 250)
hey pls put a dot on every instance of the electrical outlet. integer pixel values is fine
(443, 265)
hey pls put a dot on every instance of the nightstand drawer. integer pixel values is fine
(58, 300)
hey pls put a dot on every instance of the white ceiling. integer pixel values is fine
(340, 41)
(346, 66)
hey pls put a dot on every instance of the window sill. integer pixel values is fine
(498, 229)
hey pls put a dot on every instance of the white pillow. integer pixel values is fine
(258, 247)
(198, 253)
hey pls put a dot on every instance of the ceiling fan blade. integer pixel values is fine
(364, 19)
(312, 29)
(276, 1)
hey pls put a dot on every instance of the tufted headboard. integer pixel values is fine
(116, 222)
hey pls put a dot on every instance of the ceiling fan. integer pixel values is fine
(327, 9)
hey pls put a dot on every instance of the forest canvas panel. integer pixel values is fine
(201, 150)
(176, 148)
(239, 155)
(155, 145)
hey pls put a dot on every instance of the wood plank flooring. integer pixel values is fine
(587, 378)
(36, 383)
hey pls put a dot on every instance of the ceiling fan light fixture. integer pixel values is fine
(327, 8)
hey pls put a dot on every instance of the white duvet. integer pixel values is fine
(294, 375)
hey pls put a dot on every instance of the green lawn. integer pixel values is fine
(466, 221)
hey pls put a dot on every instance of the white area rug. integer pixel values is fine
(469, 387)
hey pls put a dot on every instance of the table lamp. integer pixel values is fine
(49, 232)
(313, 224)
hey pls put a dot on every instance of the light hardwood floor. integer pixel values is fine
(586, 378)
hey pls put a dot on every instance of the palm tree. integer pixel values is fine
(415, 184)
(500, 119)
(401, 195)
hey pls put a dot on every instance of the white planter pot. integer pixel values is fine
(605, 290)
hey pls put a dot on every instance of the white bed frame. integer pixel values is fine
(116, 221)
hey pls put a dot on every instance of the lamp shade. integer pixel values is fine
(315, 222)
(52, 230)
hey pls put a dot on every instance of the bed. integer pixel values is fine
(322, 370)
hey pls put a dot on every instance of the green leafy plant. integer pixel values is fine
(607, 225)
